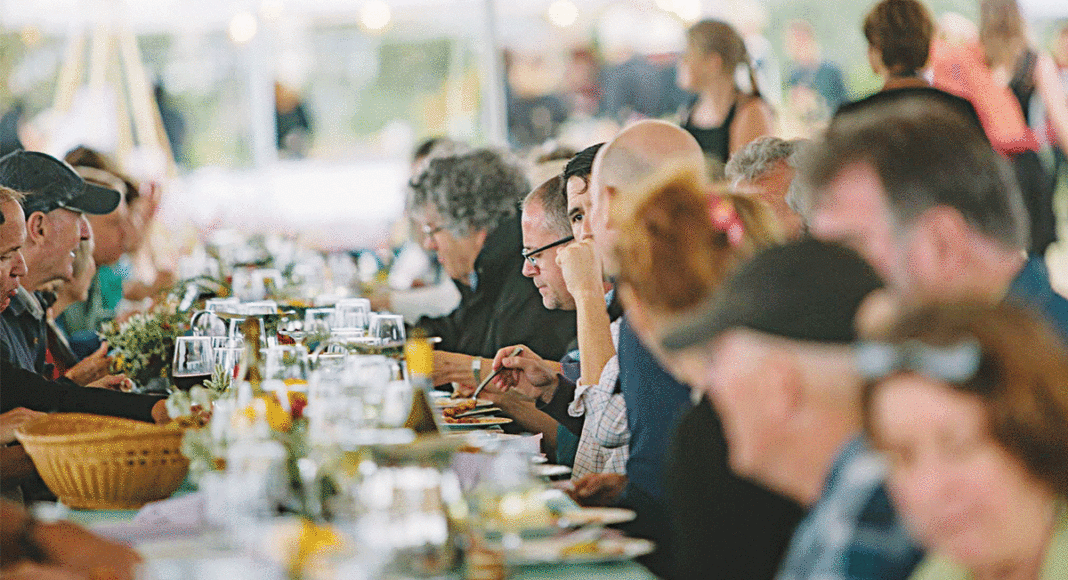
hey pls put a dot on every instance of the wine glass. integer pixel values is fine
(193, 361)
(291, 324)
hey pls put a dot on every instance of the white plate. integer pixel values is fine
(552, 551)
(446, 402)
(481, 424)
(550, 470)
(601, 516)
(538, 459)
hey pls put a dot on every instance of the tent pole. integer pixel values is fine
(495, 108)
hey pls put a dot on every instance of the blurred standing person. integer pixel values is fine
(292, 123)
(1000, 75)
(1060, 58)
(535, 110)
(814, 86)
(723, 118)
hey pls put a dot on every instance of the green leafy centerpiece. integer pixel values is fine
(143, 345)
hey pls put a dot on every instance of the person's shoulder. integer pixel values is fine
(935, 567)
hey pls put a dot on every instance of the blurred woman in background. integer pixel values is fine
(724, 117)
(970, 404)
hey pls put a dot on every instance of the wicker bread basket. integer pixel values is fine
(98, 462)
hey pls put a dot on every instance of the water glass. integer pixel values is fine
(229, 305)
(387, 328)
(352, 314)
(286, 363)
(317, 324)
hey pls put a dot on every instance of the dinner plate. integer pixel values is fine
(481, 423)
(447, 402)
(550, 470)
(600, 516)
(559, 551)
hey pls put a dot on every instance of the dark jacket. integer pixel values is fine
(505, 308)
(720, 521)
(22, 388)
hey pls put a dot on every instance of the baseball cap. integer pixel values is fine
(806, 290)
(50, 183)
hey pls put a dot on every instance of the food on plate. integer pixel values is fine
(472, 420)
(465, 406)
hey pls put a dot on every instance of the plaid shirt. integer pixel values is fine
(852, 532)
(604, 444)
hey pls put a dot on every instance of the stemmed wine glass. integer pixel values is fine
(193, 361)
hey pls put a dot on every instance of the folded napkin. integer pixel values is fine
(169, 518)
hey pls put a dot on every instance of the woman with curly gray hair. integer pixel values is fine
(467, 207)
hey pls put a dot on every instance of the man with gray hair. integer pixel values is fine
(766, 168)
(467, 207)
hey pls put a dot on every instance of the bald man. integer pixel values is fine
(678, 480)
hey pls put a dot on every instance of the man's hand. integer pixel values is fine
(598, 489)
(581, 268)
(13, 419)
(91, 368)
(453, 367)
(32, 571)
(73, 548)
(117, 382)
(159, 412)
(528, 373)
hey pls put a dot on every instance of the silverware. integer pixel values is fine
(480, 411)
(518, 350)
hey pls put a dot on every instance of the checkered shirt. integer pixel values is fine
(604, 443)
(852, 532)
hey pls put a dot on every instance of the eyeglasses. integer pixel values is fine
(430, 231)
(532, 255)
(956, 363)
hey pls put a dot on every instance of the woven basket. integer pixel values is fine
(98, 462)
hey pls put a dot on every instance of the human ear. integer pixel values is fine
(36, 225)
(940, 240)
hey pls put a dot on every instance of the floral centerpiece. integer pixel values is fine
(143, 345)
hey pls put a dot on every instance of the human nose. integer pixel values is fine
(584, 230)
(19, 268)
(84, 229)
(429, 243)
(529, 270)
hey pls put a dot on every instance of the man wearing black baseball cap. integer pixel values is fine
(777, 342)
(56, 200)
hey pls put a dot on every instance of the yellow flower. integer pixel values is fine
(277, 417)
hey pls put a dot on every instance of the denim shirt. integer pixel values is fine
(22, 333)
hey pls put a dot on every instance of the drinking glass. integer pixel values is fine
(193, 361)
(206, 323)
(228, 305)
(353, 314)
(317, 324)
(288, 364)
(292, 325)
(367, 378)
